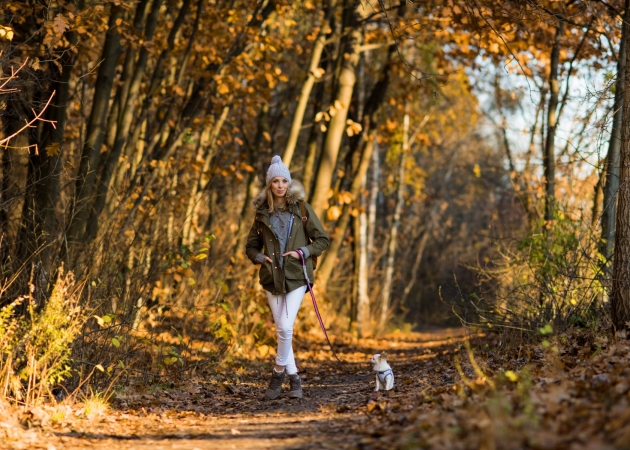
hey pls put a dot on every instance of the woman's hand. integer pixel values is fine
(293, 253)
(268, 259)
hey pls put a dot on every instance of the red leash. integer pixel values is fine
(319, 316)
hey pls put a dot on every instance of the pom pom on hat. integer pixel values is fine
(277, 169)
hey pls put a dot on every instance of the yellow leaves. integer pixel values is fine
(353, 127)
(53, 149)
(170, 360)
(511, 375)
(322, 115)
(103, 320)
(477, 171)
(319, 72)
(333, 213)
(223, 89)
(263, 350)
(6, 33)
(345, 197)
(270, 80)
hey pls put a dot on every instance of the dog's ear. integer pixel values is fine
(384, 355)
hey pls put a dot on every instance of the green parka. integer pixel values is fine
(261, 239)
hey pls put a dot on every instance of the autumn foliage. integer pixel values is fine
(464, 156)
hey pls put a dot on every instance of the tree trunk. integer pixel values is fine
(361, 262)
(374, 191)
(393, 238)
(127, 107)
(337, 125)
(549, 161)
(45, 167)
(611, 174)
(311, 76)
(620, 296)
(209, 142)
(95, 133)
(598, 199)
(247, 213)
(330, 256)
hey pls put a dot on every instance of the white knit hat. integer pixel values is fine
(277, 169)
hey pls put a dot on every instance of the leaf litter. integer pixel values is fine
(453, 391)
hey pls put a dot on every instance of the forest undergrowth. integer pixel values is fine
(453, 389)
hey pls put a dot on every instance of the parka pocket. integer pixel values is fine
(293, 269)
(265, 274)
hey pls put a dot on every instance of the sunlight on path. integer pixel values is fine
(333, 413)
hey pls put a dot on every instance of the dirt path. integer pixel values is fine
(338, 411)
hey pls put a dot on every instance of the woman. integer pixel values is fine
(273, 242)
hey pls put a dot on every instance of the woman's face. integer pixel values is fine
(279, 186)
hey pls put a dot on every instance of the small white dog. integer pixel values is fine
(384, 373)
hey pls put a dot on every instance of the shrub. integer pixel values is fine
(36, 343)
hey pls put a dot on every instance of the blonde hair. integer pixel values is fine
(270, 199)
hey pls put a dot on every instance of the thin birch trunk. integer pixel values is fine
(361, 262)
(374, 191)
(393, 239)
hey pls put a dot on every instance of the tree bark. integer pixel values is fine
(127, 106)
(620, 296)
(611, 174)
(337, 125)
(393, 238)
(374, 191)
(95, 133)
(311, 76)
(247, 213)
(330, 259)
(549, 161)
(209, 142)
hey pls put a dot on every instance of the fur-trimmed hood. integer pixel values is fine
(295, 194)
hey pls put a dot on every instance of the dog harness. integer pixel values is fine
(383, 374)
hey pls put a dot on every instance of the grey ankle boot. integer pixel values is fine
(296, 386)
(275, 384)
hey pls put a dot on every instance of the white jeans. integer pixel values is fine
(285, 308)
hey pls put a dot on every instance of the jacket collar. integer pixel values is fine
(295, 195)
